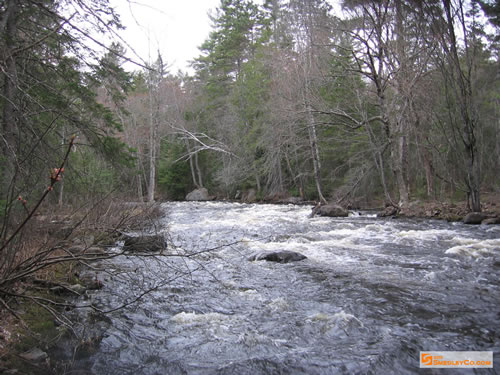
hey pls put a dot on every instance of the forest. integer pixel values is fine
(387, 101)
(362, 103)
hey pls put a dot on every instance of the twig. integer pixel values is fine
(53, 181)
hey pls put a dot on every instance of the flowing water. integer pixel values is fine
(372, 294)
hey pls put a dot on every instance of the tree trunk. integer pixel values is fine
(313, 144)
(379, 163)
(313, 138)
(400, 146)
(9, 122)
(398, 156)
(473, 178)
(429, 174)
(462, 77)
(198, 170)
(61, 183)
(191, 165)
(152, 150)
(140, 193)
(257, 179)
(280, 173)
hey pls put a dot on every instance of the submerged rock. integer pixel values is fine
(283, 256)
(149, 243)
(292, 200)
(198, 195)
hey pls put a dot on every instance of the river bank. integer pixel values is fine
(56, 266)
(447, 209)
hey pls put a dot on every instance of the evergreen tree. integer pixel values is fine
(50, 79)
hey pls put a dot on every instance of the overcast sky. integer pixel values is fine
(174, 27)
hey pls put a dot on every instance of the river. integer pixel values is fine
(370, 296)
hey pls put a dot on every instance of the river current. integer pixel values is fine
(370, 296)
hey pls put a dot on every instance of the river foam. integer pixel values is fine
(371, 293)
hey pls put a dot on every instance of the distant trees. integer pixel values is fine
(390, 100)
(385, 100)
(306, 102)
(388, 50)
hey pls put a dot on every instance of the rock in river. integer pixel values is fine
(475, 218)
(283, 256)
(145, 243)
(333, 210)
(198, 195)
(491, 220)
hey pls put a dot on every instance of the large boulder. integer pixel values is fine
(475, 217)
(332, 210)
(491, 220)
(148, 243)
(200, 194)
(283, 256)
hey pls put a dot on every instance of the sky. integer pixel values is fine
(174, 27)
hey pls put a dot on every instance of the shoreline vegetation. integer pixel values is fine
(34, 309)
(450, 210)
(30, 330)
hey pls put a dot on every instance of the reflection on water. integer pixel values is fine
(371, 295)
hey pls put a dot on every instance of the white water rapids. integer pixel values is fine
(371, 294)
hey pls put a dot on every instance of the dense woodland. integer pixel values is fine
(372, 100)
(390, 100)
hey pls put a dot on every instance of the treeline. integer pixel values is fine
(374, 100)
(388, 100)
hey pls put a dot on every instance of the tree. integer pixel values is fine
(221, 71)
(391, 52)
(50, 78)
(310, 30)
(459, 70)
(155, 76)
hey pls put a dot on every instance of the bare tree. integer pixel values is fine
(389, 51)
(451, 29)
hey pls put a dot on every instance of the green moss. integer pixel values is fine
(41, 329)
(64, 273)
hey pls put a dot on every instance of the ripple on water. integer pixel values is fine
(474, 248)
(372, 293)
(194, 318)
